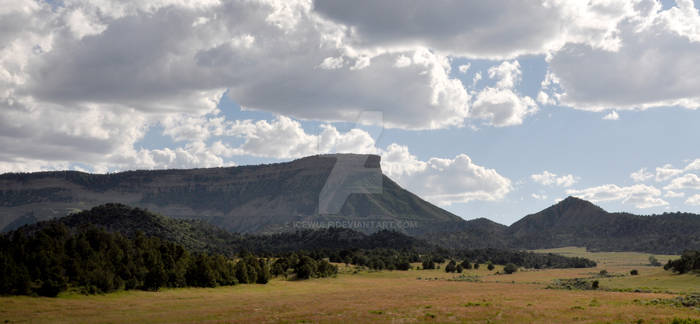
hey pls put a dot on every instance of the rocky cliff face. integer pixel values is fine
(327, 190)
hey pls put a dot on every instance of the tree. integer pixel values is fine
(654, 262)
(264, 272)
(241, 271)
(510, 268)
(689, 261)
(459, 269)
(451, 266)
(634, 272)
(465, 264)
(490, 266)
(428, 264)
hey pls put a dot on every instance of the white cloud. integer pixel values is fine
(641, 175)
(398, 162)
(464, 68)
(612, 116)
(444, 181)
(285, 138)
(693, 200)
(687, 181)
(695, 165)
(653, 64)
(538, 196)
(501, 105)
(332, 63)
(673, 194)
(666, 172)
(478, 29)
(547, 178)
(639, 195)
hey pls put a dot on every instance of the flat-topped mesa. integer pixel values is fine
(315, 190)
(372, 161)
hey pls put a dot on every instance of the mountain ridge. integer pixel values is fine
(287, 197)
(265, 198)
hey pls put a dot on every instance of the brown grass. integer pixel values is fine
(365, 297)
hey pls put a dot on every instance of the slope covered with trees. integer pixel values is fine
(193, 253)
(576, 222)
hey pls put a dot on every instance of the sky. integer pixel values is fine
(493, 109)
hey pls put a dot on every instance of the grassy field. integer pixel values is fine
(414, 296)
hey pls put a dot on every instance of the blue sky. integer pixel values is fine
(489, 109)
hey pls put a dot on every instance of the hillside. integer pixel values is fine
(334, 243)
(269, 198)
(288, 198)
(576, 222)
(200, 236)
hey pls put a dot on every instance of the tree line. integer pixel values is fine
(91, 260)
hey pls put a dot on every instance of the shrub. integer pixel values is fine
(510, 268)
(634, 272)
(689, 261)
(489, 266)
(653, 261)
(451, 267)
(428, 264)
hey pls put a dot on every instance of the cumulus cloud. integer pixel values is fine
(480, 29)
(612, 116)
(500, 105)
(673, 194)
(666, 172)
(687, 181)
(695, 165)
(286, 138)
(538, 196)
(547, 178)
(641, 175)
(444, 181)
(639, 195)
(693, 200)
(652, 66)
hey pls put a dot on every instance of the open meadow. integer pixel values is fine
(413, 296)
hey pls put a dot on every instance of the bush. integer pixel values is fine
(489, 266)
(654, 262)
(510, 268)
(634, 272)
(451, 267)
(689, 261)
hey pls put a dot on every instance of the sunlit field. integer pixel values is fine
(414, 296)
